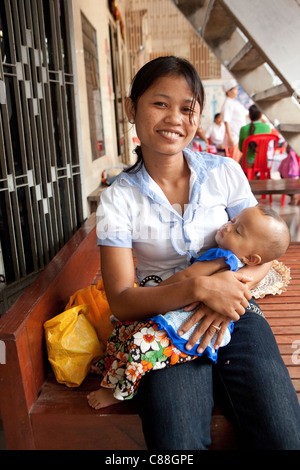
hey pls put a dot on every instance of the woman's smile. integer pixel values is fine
(170, 135)
(166, 117)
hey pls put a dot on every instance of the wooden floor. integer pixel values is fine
(286, 324)
(284, 317)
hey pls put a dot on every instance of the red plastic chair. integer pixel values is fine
(261, 164)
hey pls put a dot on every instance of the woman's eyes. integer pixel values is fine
(186, 109)
(160, 103)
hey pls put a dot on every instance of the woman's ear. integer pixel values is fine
(130, 109)
(251, 260)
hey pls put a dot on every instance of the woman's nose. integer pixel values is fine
(174, 116)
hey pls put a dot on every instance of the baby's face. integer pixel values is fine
(244, 234)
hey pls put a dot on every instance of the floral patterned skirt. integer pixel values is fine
(133, 349)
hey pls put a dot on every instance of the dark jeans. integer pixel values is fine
(250, 378)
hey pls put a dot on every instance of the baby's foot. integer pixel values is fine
(101, 398)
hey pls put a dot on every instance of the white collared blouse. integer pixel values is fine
(135, 213)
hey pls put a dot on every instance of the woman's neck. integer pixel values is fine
(164, 167)
(172, 175)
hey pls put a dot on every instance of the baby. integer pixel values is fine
(256, 235)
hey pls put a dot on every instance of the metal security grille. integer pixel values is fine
(40, 183)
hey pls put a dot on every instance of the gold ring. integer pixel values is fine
(216, 327)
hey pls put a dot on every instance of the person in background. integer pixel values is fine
(200, 135)
(234, 116)
(290, 168)
(216, 132)
(256, 126)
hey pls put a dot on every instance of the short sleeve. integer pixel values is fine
(214, 253)
(114, 219)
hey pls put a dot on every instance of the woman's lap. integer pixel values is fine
(172, 404)
(251, 382)
(256, 389)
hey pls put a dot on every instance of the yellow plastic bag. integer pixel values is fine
(72, 345)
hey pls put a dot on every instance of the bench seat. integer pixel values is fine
(62, 420)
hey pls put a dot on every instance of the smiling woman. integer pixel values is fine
(166, 119)
(168, 111)
(172, 97)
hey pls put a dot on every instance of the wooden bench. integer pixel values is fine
(269, 186)
(39, 413)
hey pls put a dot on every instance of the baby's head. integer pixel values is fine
(256, 235)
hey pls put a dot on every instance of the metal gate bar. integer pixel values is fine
(40, 182)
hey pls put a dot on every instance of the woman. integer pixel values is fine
(256, 126)
(167, 209)
(234, 116)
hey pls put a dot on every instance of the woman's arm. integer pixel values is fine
(257, 273)
(135, 303)
(226, 292)
(228, 132)
(207, 268)
(198, 268)
(210, 317)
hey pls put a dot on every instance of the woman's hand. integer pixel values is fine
(226, 293)
(225, 298)
(211, 323)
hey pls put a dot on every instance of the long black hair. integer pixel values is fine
(162, 67)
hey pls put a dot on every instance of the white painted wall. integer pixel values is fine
(98, 14)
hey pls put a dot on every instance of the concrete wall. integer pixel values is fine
(98, 14)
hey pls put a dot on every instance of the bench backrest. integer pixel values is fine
(21, 327)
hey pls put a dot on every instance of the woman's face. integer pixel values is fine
(233, 92)
(164, 119)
